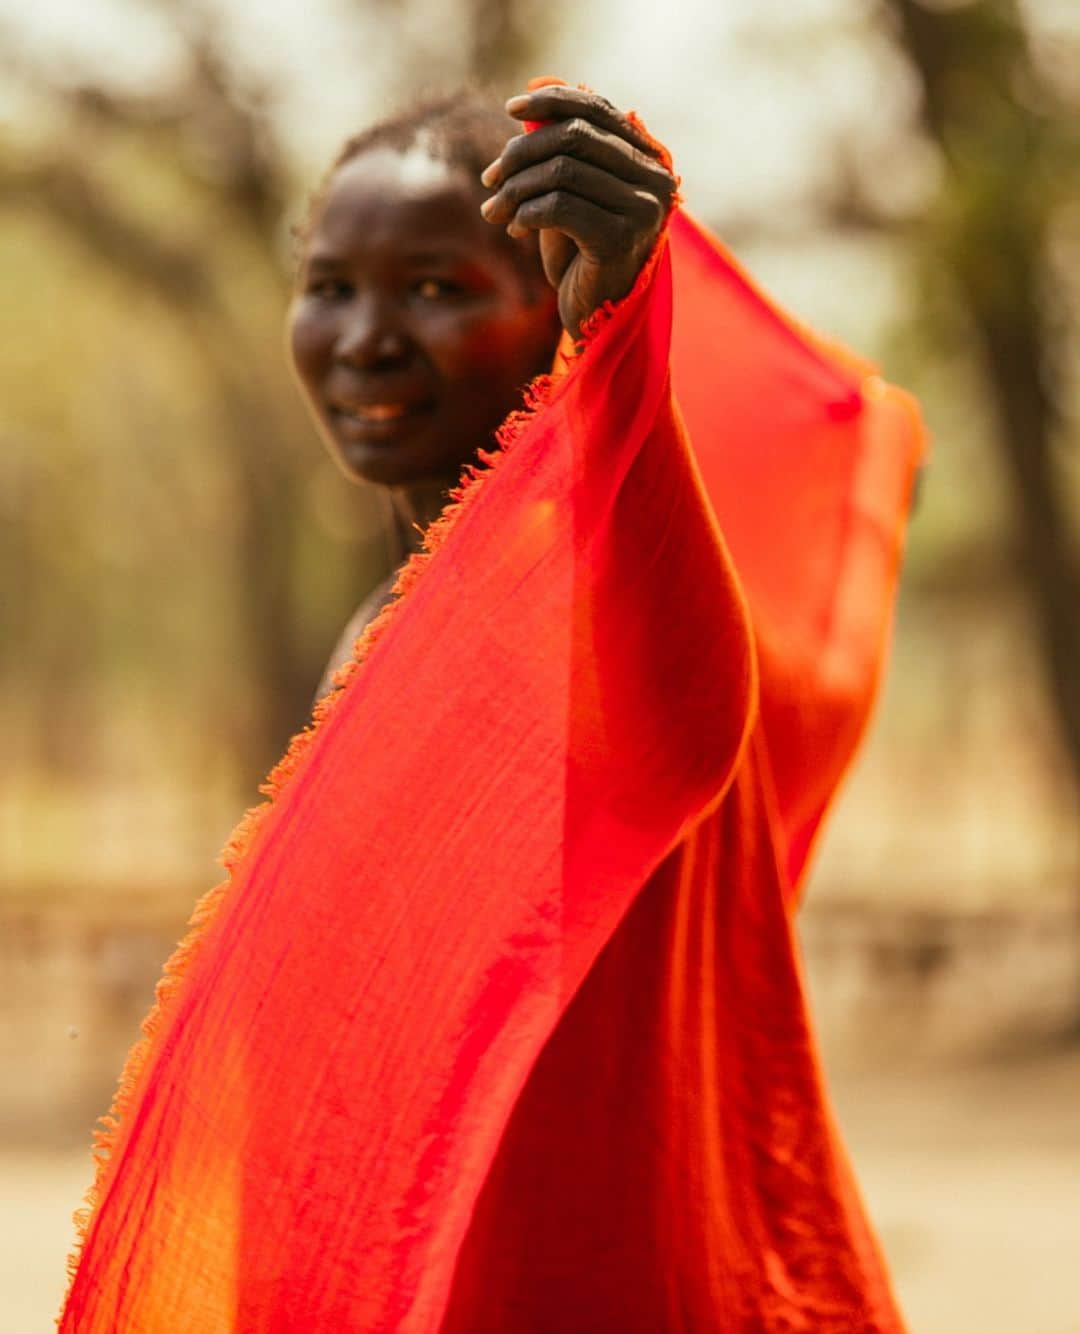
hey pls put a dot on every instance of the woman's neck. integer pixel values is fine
(414, 507)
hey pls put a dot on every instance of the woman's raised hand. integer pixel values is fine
(591, 184)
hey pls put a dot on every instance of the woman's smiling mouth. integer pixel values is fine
(378, 421)
(379, 412)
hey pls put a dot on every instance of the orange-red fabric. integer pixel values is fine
(498, 1023)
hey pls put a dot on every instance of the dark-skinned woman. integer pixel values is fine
(499, 1022)
(425, 302)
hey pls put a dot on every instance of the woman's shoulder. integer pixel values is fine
(367, 611)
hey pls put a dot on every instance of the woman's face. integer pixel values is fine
(413, 328)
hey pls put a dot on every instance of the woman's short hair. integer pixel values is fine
(467, 128)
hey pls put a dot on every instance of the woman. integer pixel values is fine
(424, 302)
(499, 1022)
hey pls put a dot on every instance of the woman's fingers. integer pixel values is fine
(569, 175)
(590, 226)
(594, 186)
(580, 139)
(560, 102)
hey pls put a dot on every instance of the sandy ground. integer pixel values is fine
(973, 1180)
(972, 1176)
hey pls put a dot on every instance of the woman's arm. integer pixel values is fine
(592, 184)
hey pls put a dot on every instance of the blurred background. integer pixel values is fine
(179, 555)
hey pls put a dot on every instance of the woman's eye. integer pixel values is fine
(328, 289)
(435, 289)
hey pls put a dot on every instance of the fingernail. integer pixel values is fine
(516, 230)
(518, 103)
(488, 207)
(491, 174)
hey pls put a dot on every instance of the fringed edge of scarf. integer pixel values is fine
(537, 396)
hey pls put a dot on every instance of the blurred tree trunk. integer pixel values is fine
(494, 44)
(1001, 142)
(501, 41)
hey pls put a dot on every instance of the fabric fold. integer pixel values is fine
(808, 457)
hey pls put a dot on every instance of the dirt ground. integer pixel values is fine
(972, 1176)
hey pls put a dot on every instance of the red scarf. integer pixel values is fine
(498, 1023)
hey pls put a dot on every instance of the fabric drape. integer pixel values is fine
(498, 1021)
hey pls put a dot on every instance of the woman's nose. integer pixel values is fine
(369, 335)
